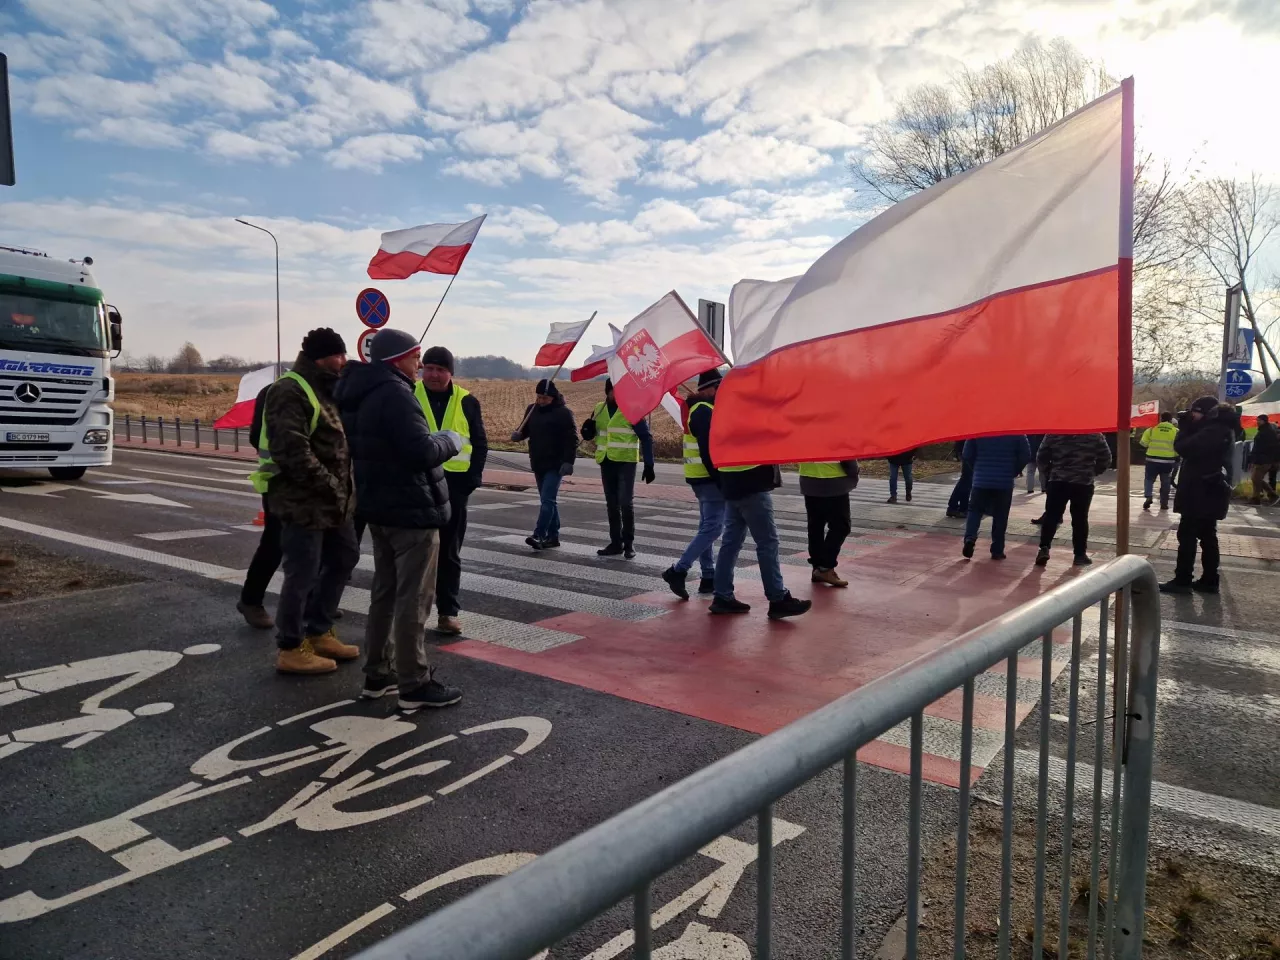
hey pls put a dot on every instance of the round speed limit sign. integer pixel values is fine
(364, 346)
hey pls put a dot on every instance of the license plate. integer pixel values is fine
(27, 437)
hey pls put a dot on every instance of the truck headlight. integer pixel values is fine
(93, 437)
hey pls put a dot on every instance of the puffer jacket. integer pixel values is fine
(1266, 445)
(996, 461)
(1073, 457)
(313, 488)
(552, 434)
(1205, 446)
(399, 462)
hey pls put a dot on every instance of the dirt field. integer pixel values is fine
(27, 572)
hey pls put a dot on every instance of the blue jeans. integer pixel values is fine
(1165, 472)
(994, 504)
(710, 526)
(893, 477)
(548, 527)
(754, 513)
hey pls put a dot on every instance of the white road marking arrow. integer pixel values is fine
(149, 498)
(37, 489)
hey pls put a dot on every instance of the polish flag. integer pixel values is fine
(432, 248)
(1145, 414)
(660, 349)
(995, 302)
(241, 415)
(677, 409)
(598, 362)
(560, 343)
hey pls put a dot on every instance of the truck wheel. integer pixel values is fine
(67, 473)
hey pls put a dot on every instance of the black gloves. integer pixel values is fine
(648, 475)
(566, 469)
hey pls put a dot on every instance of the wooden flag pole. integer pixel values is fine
(528, 413)
(440, 303)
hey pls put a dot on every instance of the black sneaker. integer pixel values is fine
(433, 693)
(967, 550)
(551, 544)
(707, 586)
(1205, 585)
(375, 687)
(612, 550)
(997, 556)
(1146, 505)
(675, 580)
(1038, 521)
(1042, 558)
(1164, 507)
(788, 606)
(629, 552)
(1175, 586)
(722, 606)
(892, 500)
(1083, 560)
(535, 543)
(908, 496)
(956, 515)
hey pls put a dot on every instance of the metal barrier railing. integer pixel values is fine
(193, 433)
(533, 908)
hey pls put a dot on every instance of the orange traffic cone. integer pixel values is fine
(260, 520)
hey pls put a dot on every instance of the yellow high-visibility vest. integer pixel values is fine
(454, 419)
(1159, 442)
(821, 471)
(616, 439)
(694, 468)
(261, 478)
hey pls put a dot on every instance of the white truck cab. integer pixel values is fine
(56, 340)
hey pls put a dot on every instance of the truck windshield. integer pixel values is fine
(45, 325)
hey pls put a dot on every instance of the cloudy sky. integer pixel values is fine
(621, 148)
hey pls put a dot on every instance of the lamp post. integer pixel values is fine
(277, 243)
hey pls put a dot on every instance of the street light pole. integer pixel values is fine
(277, 243)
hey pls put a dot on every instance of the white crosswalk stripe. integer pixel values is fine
(542, 563)
(643, 561)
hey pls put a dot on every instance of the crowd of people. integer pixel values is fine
(395, 448)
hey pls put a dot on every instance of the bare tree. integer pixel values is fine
(226, 364)
(187, 360)
(153, 364)
(1225, 223)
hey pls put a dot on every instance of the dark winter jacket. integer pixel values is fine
(259, 407)
(552, 434)
(1073, 457)
(464, 484)
(313, 488)
(996, 461)
(831, 486)
(902, 459)
(1266, 445)
(734, 484)
(398, 460)
(1205, 446)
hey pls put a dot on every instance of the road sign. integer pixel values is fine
(1240, 353)
(1239, 383)
(365, 344)
(373, 308)
(711, 318)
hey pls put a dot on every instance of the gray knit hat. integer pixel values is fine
(389, 344)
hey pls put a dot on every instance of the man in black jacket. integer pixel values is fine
(402, 495)
(447, 406)
(1264, 457)
(266, 559)
(1206, 440)
(553, 447)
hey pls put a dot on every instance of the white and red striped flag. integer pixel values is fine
(560, 343)
(431, 248)
(995, 302)
(241, 414)
(598, 362)
(660, 349)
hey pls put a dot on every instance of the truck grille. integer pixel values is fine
(45, 401)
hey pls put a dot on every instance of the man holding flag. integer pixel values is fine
(619, 445)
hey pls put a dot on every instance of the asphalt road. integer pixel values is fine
(197, 804)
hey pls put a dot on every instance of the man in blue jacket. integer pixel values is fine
(996, 463)
(402, 495)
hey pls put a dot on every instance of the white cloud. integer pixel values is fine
(372, 152)
(46, 53)
(721, 157)
(136, 132)
(233, 145)
(596, 237)
(491, 171)
(285, 41)
(405, 36)
(516, 224)
(720, 208)
(659, 217)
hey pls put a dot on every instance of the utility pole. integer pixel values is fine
(277, 243)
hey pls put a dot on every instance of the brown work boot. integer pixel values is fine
(448, 626)
(256, 617)
(328, 645)
(304, 660)
(830, 578)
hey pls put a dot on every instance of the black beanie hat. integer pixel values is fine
(322, 342)
(709, 379)
(1205, 405)
(547, 388)
(438, 357)
(389, 344)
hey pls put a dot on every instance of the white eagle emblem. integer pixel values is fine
(642, 358)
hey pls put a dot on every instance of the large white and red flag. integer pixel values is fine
(241, 414)
(598, 362)
(660, 349)
(431, 248)
(560, 343)
(994, 302)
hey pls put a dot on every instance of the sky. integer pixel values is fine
(621, 148)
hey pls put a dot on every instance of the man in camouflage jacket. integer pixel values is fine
(312, 495)
(1070, 462)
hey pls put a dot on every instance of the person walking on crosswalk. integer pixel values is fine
(448, 407)
(1072, 462)
(620, 444)
(996, 463)
(1161, 459)
(553, 447)
(402, 495)
(826, 488)
(306, 476)
(705, 482)
(266, 558)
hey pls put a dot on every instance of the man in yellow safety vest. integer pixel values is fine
(1161, 458)
(620, 444)
(706, 487)
(449, 407)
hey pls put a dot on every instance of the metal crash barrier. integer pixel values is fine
(536, 906)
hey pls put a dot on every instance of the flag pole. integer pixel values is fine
(528, 413)
(1124, 371)
(440, 303)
